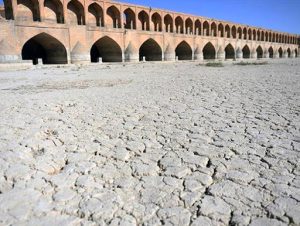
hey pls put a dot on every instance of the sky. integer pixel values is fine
(279, 15)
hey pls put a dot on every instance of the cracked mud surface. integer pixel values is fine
(151, 144)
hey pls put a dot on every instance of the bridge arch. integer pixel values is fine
(227, 31)
(144, 20)
(46, 47)
(206, 28)
(289, 52)
(280, 52)
(157, 22)
(129, 19)
(213, 28)
(246, 52)
(179, 25)
(229, 52)
(95, 15)
(233, 31)
(168, 21)
(221, 30)
(189, 26)
(114, 17)
(259, 52)
(75, 13)
(209, 51)
(151, 50)
(184, 51)
(106, 48)
(53, 11)
(28, 10)
(197, 27)
(271, 52)
(240, 33)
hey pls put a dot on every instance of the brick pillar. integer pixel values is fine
(65, 11)
(41, 10)
(121, 17)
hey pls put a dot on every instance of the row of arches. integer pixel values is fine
(52, 51)
(53, 11)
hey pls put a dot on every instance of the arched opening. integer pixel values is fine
(280, 52)
(233, 31)
(53, 11)
(75, 13)
(267, 36)
(107, 49)
(249, 34)
(229, 52)
(271, 52)
(95, 15)
(179, 25)
(246, 52)
(168, 20)
(209, 52)
(150, 50)
(276, 38)
(46, 48)
(184, 51)
(206, 28)
(8, 10)
(280, 38)
(259, 52)
(156, 20)
(129, 19)
(188, 26)
(262, 36)
(254, 35)
(245, 33)
(240, 33)
(213, 27)
(289, 52)
(258, 36)
(144, 20)
(227, 31)
(28, 10)
(296, 53)
(114, 18)
(198, 27)
(221, 30)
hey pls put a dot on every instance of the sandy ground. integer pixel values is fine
(151, 144)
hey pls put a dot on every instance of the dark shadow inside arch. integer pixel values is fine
(289, 52)
(107, 49)
(46, 48)
(246, 52)
(296, 53)
(184, 51)
(259, 52)
(229, 52)
(150, 50)
(271, 52)
(280, 52)
(209, 52)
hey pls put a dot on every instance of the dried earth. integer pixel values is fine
(151, 144)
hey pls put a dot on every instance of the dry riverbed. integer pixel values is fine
(152, 144)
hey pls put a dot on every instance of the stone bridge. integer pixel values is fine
(81, 31)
